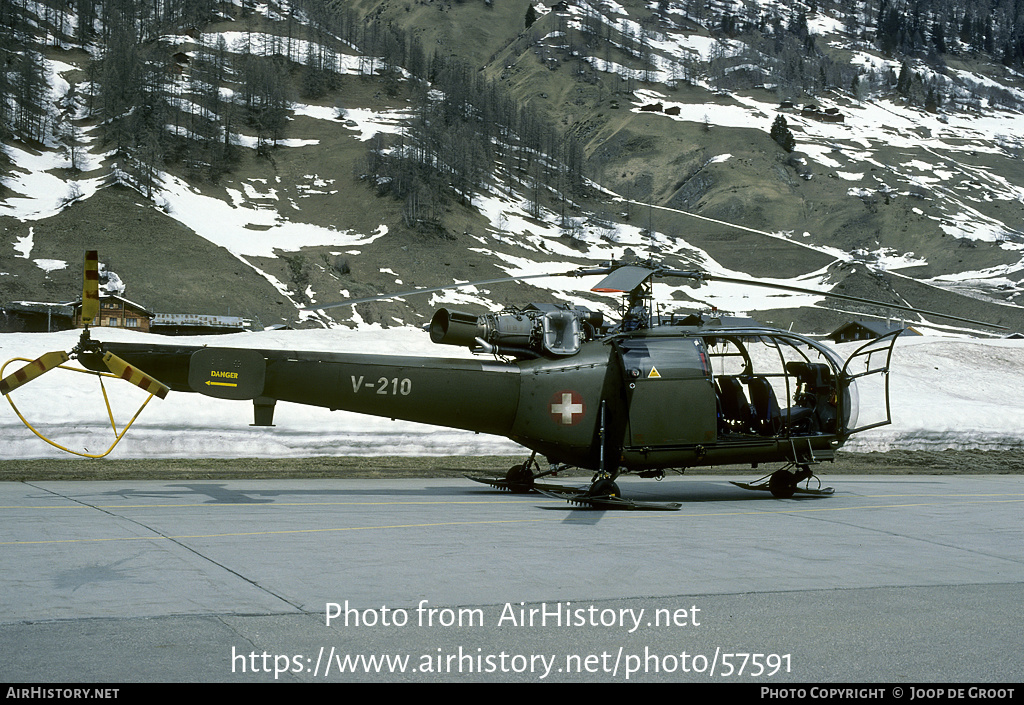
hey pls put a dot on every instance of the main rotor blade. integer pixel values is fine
(403, 294)
(91, 288)
(140, 379)
(39, 366)
(846, 297)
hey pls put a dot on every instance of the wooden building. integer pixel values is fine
(118, 312)
(867, 330)
(198, 324)
(36, 317)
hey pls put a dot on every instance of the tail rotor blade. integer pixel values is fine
(140, 379)
(91, 288)
(29, 372)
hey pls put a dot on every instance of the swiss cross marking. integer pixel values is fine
(567, 408)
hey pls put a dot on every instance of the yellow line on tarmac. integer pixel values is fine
(270, 533)
(784, 510)
(937, 494)
(618, 515)
(269, 503)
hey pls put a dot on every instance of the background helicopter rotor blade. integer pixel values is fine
(624, 277)
(627, 277)
(91, 288)
(29, 372)
(448, 287)
(842, 297)
(140, 379)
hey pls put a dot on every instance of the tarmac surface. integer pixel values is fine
(893, 579)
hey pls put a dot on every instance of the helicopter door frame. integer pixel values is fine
(882, 344)
(785, 414)
(670, 395)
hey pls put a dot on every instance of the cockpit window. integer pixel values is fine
(771, 385)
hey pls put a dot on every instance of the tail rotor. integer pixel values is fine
(91, 351)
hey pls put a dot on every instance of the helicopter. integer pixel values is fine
(644, 395)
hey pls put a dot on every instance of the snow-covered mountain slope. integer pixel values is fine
(893, 188)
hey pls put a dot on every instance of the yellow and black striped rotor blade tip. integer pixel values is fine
(140, 379)
(91, 288)
(29, 372)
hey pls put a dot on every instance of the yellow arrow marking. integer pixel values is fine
(221, 384)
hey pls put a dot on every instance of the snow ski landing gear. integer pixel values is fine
(604, 494)
(587, 498)
(785, 483)
(521, 479)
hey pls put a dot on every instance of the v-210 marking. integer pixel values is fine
(384, 386)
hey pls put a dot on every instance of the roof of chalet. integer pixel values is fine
(877, 327)
(61, 309)
(127, 302)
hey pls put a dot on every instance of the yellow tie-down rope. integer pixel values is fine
(106, 400)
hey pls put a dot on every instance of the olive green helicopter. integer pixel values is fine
(645, 395)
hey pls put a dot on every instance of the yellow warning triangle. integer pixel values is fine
(654, 372)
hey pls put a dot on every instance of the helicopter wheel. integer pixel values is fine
(519, 478)
(782, 484)
(604, 487)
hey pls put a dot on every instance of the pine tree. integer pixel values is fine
(903, 83)
(531, 16)
(29, 93)
(781, 133)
